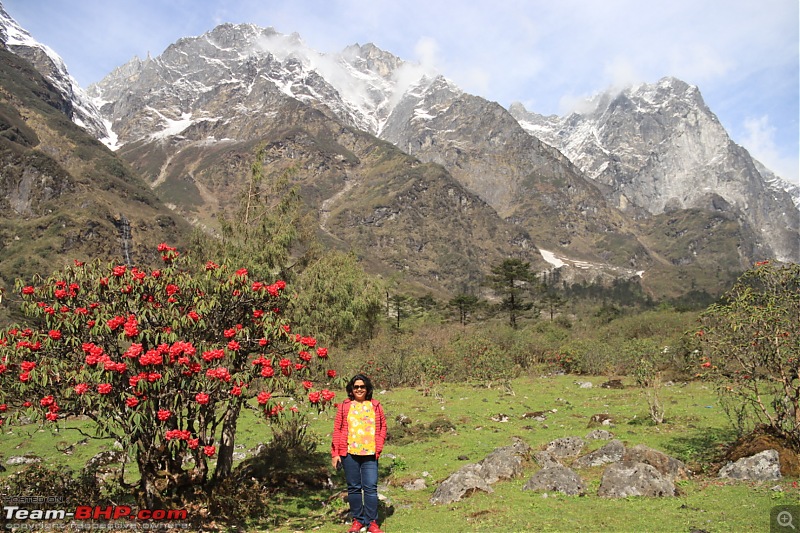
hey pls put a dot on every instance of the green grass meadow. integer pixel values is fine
(453, 421)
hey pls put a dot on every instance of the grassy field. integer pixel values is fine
(455, 420)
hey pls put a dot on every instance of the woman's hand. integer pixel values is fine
(336, 461)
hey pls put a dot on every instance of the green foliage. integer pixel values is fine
(485, 362)
(267, 231)
(464, 304)
(750, 345)
(585, 356)
(509, 279)
(337, 300)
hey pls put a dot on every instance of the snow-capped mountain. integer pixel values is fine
(360, 85)
(659, 147)
(589, 188)
(80, 107)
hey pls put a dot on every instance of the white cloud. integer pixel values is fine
(760, 142)
(427, 52)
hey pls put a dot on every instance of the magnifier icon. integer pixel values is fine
(784, 519)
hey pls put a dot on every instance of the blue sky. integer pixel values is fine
(742, 54)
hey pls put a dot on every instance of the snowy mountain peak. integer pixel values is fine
(659, 147)
(361, 85)
(49, 64)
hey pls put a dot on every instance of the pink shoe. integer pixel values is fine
(356, 527)
(373, 528)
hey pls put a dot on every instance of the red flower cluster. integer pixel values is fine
(324, 395)
(220, 373)
(263, 397)
(120, 320)
(184, 434)
(201, 398)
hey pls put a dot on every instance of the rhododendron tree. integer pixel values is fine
(750, 344)
(162, 360)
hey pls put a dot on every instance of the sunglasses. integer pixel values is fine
(355, 387)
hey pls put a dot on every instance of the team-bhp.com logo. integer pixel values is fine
(153, 517)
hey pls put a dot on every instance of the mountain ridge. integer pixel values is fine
(187, 120)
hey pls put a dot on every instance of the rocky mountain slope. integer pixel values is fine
(77, 104)
(660, 148)
(63, 194)
(463, 183)
(194, 138)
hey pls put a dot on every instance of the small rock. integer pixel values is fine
(762, 466)
(417, 484)
(566, 447)
(599, 434)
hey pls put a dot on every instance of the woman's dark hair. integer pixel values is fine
(355, 378)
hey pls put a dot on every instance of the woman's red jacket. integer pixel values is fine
(339, 440)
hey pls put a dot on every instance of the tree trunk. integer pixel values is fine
(149, 496)
(227, 441)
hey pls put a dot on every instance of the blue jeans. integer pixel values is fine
(361, 473)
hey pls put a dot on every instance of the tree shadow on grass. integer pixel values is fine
(275, 487)
(703, 448)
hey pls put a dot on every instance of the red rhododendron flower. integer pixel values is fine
(193, 316)
(233, 346)
(119, 270)
(313, 397)
(327, 395)
(263, 397)
(52, 417)
(24, 377)
(27, 366)
(81, 388)
(193, 443)
(331, 374)
(307, 384)
(209, 451)
(322, 352)
(3, 407)
(242, 272)
(236, 390)
(211, 265)
(132, 401)
(267, 371)
(104, 388)
(164, 414)
(26, 404)
(46, 401)
(220, 373)
(201, 398)
(28, 290)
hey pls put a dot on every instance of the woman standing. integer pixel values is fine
(359, 431)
